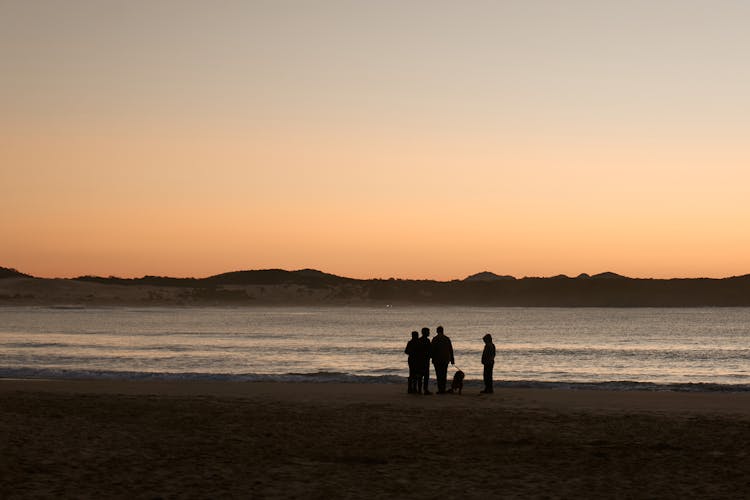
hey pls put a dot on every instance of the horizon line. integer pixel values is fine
(492, 276)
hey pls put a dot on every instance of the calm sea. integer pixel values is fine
(683, 349)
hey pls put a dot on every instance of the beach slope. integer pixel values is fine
(94, 439)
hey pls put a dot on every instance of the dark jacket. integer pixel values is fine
(442, 350)
(412, 349)
(425, 350)
(488, 355)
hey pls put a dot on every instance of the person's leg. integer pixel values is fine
(487, 378)
(416, 376)
(441, 373)
(426, 375)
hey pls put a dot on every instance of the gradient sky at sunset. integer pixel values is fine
(414, 139)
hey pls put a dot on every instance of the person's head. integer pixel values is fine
(440, 330)
(414, 335)
(425, 332)
(487, 339)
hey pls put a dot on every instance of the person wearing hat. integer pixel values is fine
(488, 360)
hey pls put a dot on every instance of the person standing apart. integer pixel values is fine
(442, 354)
(425, 349)
(488, 360)
(415, 362)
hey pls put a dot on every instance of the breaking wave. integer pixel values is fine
(340, 377)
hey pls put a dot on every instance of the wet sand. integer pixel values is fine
(114, 439)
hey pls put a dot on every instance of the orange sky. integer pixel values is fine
(428, 140)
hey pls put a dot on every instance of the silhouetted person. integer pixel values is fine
(425, 352)
(442, 354)
(415, 363)
(488, 360)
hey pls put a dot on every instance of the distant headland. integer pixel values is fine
(309, 287)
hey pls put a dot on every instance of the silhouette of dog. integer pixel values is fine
(457, 384)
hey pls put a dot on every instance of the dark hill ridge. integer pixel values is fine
(311, 287)
(609, 276)
(309, 277)
(255, 277)
(487, 276)
(7, 272)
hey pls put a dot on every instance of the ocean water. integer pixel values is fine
(642, 348)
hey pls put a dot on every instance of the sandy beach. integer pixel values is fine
(161, 439)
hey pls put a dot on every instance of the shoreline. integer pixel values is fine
(324, 377)
(555, 399)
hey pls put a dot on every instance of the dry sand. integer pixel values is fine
(106, 439)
